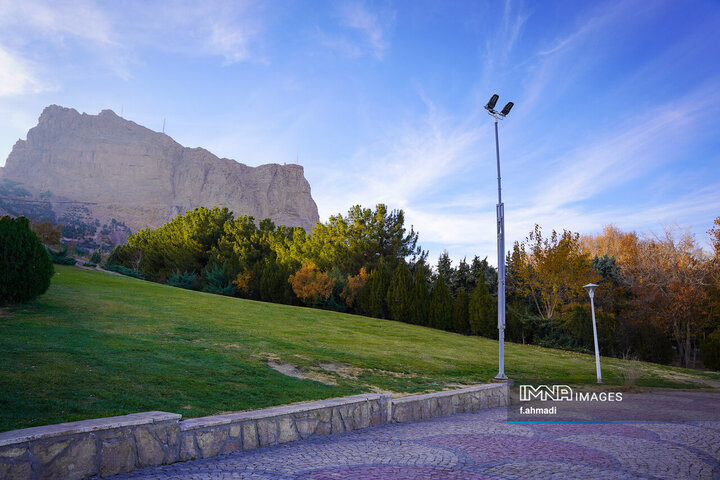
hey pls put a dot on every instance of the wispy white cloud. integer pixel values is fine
(435, 152)
(354, 15)
(499, 46)
(560, 61)
(642, 144)
(229, 29)
(404, 168)
(363, 31)
(60, 20)
(16, 77)
(115, 35)
(76, 24)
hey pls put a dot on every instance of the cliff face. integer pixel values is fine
(121, 170)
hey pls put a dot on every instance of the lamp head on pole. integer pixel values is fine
(590, 288)
(506, 109)
(491, 103)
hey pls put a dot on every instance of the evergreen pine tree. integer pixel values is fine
(463, 278)
(419, 298)
(25, 267)
(481, 270)
(398, 295)
(372, 300)
(441, 306)
(446, 270)
(461, 322)
(483, 311)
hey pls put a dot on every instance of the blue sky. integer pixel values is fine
(616, 119)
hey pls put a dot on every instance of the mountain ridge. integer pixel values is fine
(121, 170)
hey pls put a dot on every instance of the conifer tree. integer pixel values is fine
(441, 306)
(25, 267)
(446, 270)
(482, 312)
(398, 295)
(373, 297)
(461, 322)
(462, 278)
(419, 297)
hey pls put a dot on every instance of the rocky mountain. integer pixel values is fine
(110, 171)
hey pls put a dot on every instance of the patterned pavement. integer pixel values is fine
(479, 446)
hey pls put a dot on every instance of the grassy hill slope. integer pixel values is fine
(100, 345)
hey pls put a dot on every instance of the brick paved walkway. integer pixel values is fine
(478, 446)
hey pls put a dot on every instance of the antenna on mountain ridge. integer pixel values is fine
(163, 124)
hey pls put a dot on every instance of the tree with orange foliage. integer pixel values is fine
(242, 282)
(310, 285)
(710, 346)
(354, 285)
(669, 279)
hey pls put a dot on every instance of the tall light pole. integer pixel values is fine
(490, 107)
(590, 288)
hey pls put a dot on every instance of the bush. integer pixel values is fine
(124, 271)
(182, 280)
(25, 267)
(710, 351)
(60, 257)
(216, 281)
(96, 257)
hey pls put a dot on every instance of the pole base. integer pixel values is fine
(503, 379)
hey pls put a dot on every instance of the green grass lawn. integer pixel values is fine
(98, 345)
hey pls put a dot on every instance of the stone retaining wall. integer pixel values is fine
(108, 446)
(438, 404)
(78, 450)
(219, 434)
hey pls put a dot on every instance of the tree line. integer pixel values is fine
(658, 295)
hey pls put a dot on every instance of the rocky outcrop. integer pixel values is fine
(120, 170)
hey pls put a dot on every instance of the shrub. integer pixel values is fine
(182, 280)
(216, 281)
(60, 257)
(124, 271)
(96, 257)
(25, 267)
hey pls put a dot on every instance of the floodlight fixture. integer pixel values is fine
(491, 104)
(506, 109)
